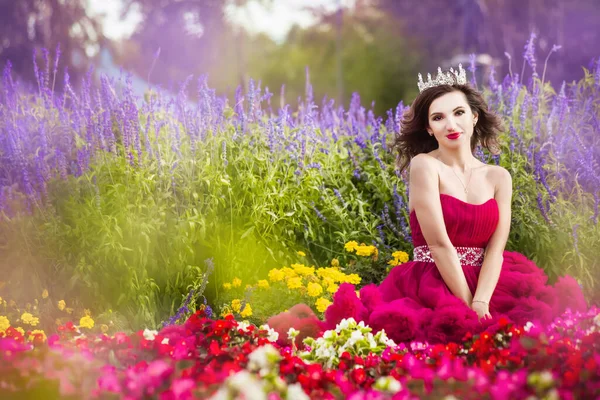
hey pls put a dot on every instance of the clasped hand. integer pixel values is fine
(482, 309)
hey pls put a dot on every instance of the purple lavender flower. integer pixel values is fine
(529, 55)
(319, 214)
(472, 69)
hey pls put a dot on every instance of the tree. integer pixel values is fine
(28, 25)
(189, 34)
(377, 62)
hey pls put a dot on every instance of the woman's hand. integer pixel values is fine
(482, 309)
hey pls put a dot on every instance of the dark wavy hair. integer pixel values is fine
(413, 138)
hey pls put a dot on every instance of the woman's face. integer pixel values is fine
(450, 120)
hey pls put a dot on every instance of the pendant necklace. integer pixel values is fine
(465, 187)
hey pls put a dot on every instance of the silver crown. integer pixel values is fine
(448, 78)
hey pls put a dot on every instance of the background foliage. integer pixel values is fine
(118, 201)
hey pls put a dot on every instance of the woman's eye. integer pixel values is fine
(460, 112)
(437, 118)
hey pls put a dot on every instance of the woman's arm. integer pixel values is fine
(425, 200)
(492, 260)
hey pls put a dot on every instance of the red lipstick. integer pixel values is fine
(453, 136)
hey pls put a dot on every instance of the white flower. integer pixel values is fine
(328, 335)
(345, 324)
(546, 377)
(149, 335)
(292, 333)
(372, 342)
(597, 320)
(273, 335)
(263, 358)
(356, 336)
(528, 326)
(165, 341)
(295, 392)
(325, 352)
(243, 326)
(387, 384)
(246, 383)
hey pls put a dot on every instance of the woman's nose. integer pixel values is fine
(450, 124)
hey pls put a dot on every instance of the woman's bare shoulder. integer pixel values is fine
(499, 176)
(422, 160)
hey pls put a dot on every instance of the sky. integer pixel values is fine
(275, 19)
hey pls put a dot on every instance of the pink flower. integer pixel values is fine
(159, 369)
(108, 381)
(180, 389)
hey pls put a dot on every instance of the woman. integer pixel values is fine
(461, 280)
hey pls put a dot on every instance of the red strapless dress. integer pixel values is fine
(414, 303)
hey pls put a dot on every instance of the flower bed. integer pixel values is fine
(225, 358)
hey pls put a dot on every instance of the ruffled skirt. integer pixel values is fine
(414, 303)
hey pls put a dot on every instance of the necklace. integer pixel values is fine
(465, 187)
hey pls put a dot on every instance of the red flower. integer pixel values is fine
(358, 375)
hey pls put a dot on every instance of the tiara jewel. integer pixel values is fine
(444, 78)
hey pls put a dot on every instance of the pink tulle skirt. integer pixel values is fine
(414, 303)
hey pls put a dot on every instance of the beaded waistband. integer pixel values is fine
(466, 255)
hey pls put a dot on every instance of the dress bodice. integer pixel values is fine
(468, 225)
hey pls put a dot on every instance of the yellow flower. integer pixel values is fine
(61, 305)
(36, 332)
(351, 246)
(303, 270)
(247, 311)
(45, 294)
(335, 263)
(0, 299)
(227, 286)
(400, 256)
(86, 322)
(236, 304)
(225, 311)
(314, 289)
(69, 310)
(301, 254)
(237, 282)
(353, 279)
(4, 323)
(289, 272)
(20, 330)
(276, 275)
(365, 251)
(294, 283)
(322, 304)
(332, 288)
(263, 284)
(104, 328)
(29, 319)
(87, 312)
